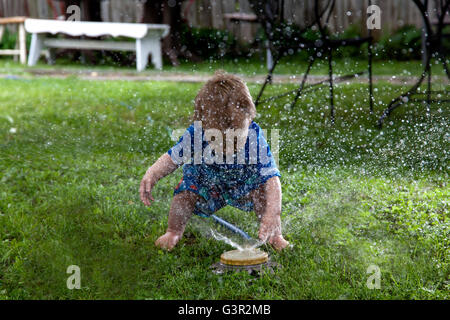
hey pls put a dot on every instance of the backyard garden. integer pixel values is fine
(76, 139)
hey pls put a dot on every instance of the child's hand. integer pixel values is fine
(161, 168)
(145, 190)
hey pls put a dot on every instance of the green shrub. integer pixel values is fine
(288, 35)
(207, 42)
(352, 32)
(404, 44)
(8, 41)
(286, 38)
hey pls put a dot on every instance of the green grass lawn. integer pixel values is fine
(73, 153)
(294, 65)
(290, 65)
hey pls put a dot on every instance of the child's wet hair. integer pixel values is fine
(224, 102)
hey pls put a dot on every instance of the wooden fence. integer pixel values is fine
(394, 14)
(210, 13)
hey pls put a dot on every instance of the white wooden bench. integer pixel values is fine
(148, 38)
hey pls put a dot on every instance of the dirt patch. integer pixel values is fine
(192, 77)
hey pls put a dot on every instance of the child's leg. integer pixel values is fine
(267, 205)
(181, 210)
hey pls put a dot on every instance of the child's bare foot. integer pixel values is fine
(168, 240)
(278, 242)
(270, 231)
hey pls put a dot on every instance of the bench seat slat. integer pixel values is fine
(10, 52)
(13, 20)
(90, 44)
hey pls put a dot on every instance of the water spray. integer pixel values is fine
(244, 258)
(231, 227)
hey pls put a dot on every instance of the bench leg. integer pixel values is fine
(156, 54)
(51, 56)
(37, 43)
(16, 49)
(142, 51)
(22, 44)
(147, 46)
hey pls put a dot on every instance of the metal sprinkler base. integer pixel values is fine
(255, 269)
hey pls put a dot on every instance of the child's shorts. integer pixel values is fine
(216, 194)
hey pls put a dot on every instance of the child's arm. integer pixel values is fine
(161, 168)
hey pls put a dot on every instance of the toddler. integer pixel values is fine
(226, 161)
